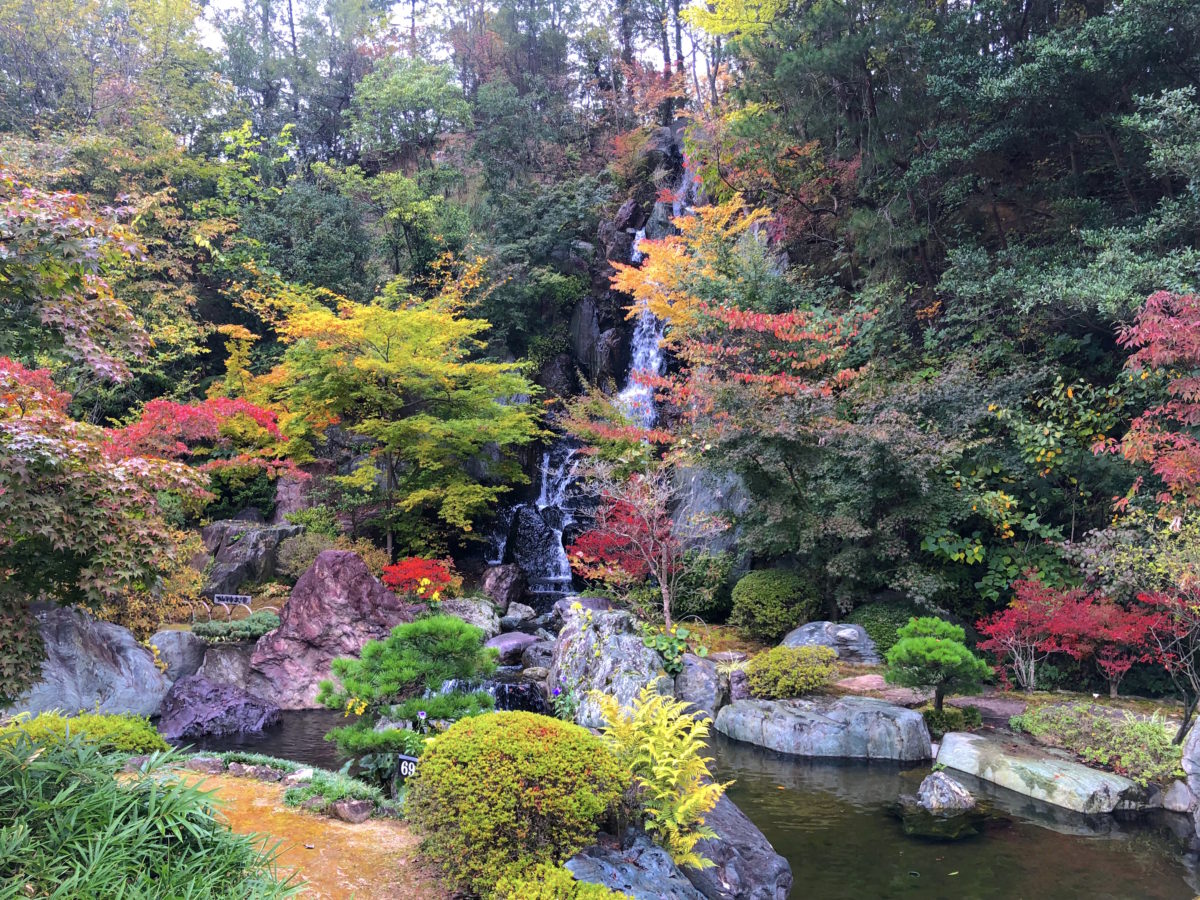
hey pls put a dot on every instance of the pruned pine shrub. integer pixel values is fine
(785, 672)
(499, 794)
(664, 746)
(250, 628)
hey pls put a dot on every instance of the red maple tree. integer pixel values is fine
(416, 576)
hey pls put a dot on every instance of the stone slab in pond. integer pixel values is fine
(1026, 770)
(843, 727)
(851, 642)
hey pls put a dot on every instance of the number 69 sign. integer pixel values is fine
(408, 766)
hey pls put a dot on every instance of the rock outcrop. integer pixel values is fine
(602, 650)
(335, 608)
(844, 727)
(851, 642)
(182, 651)
(504, 585)
(746, 865)
(640, 868)
(242, 552)
(479, 613)
(1038, 773)
(91, 666)
(701, 686)
(196, 706)
(227, 663)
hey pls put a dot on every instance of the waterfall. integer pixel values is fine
(558, 477)
(635, 253)
(637, 398)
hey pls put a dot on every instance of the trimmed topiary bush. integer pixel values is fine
(498, 794)
(783, 672)
(547, 882)
(119, 733)
(881, 621)
(769, 603)
(250, 628)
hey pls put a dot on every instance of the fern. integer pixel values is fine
(663, 746)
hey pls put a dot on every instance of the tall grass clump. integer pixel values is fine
(73, 829)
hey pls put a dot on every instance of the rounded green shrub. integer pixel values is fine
(881, 621)
(769, 603)
(109, 733)
(951, 718)
(783, 672)
(510, 789)
(547, 882)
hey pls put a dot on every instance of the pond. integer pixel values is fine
(834, 823)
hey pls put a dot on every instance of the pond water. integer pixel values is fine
(834, 823)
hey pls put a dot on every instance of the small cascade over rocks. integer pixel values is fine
(535, 540)
(508, 688)
(637, 398)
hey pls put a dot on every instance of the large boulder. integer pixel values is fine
(196, 706)
(227, 663)
(92, 666)
(1038, 773)
(539, 655)
(479, 613)
(942, 795)
(335, 608)
(640, 869)
(511, 647)
(700, 685)
(602, 651)
(182, 651)
(851, 642)
(504, 584)
(844, 727)
(242, 552)
(746, 866)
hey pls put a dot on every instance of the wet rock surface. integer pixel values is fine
(746, 866)
(939, 793)
(700, 686)
(196, 706)
(640, 868)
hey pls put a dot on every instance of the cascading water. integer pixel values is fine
(637, 397)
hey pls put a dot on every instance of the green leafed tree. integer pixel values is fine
(930, 653)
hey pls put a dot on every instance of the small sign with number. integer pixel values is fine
(408, 767)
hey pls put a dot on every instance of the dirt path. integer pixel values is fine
(376, 860)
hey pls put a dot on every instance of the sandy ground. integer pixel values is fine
(376, 860)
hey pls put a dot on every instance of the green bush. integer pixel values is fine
(250, 628)
(769, 603)
(330, 787)
(930, 653)
(951, 718)
(547, 882)
(72, 829)
(881, 620)
(510, 789)
(120, 733)
(783, 672)
(703, 587)
(319, 519)
(298, 553)
(1136, 747)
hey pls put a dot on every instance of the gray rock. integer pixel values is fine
(479, 613)
(335, 608)
(521, 612)
(557, 377)
(504, 585)
(746, 865)
(941, 794)
(511, 646)
(291, 495)
(602, 651)
(739, 686)
(92, 665)
(705, 494)
(1190, 763)
(584, 331)
(209, 765)
(227, 663)
(700, 686)
(850, 641)
(1179, 798)
(182, 651)
(535, 673)
(640, 868)
(844, 727)
(538, 655)
(353, 811)
(195, 707)
(561, 607)
(242, 552)
(1038, 773)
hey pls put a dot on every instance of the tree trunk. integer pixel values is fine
(666, 601)
(939, 695)
(1189, 707)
